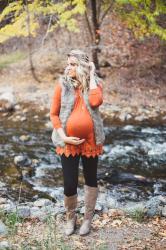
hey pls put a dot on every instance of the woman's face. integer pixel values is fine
(72, 64)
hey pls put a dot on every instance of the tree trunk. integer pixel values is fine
(32, 68)
(96, 41)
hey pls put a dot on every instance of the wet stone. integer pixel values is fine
(163, 212)
(3, 229)
(153, 206)
(21, 160)
(23, 211)
(5, 245)
(24, 137)
(42, 202)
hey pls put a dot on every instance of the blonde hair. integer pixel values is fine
(82, 71)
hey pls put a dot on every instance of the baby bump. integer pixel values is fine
(79, 124)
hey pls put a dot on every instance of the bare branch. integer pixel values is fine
(89, 26)
(98, 9)
(106, 12)
(45, 36)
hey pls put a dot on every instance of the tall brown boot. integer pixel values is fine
(91, 194)
(70, 203)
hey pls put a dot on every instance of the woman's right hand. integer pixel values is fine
(73, 140)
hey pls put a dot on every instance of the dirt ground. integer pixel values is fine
(118, 232)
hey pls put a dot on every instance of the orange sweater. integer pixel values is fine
(79, 123)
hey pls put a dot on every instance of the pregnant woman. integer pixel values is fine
(78, 132)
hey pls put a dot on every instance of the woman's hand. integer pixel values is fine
(92, 84)
(92, 68)
(73, 140)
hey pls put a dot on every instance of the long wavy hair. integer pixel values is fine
(82, 71)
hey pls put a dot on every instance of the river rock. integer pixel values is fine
(146, 111)
(163, 211)
(114, 108)
(5, 245)
(162, 199)
(16, 118)
(124, 116)
(140, 118)
(3, 200)
(43, 212)
(47, 115)
(128, 116)
(57, 193)
(23, 211)
(23, 119)
(25, 110)
(22, 160)
(8, 207)
(82, 210)
(103, 202)
(102, 197)
(35, 212)
(157, 188)
(53, 210)
(3, 228)
(153, 206)
(7, 99)
(112, 202)
(42, 202)
(17, 107)
(2, 184)
(61, 209)
(24, 137)
(99, 206)
(48, 125)
(36, 117)
(128, 127)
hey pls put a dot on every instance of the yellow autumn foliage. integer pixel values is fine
(17, 14)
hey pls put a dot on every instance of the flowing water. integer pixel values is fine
(133, 162)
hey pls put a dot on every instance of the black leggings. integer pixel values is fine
(70, 168)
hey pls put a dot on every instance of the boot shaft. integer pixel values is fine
(91, 194)
(70, 203)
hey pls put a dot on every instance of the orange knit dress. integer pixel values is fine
(79, 123)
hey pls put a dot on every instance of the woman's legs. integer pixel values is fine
(70, 168)
(90, 170)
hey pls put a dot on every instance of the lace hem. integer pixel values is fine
(73, 150)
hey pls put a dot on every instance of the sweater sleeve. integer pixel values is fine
(96, 96)
(55, 107)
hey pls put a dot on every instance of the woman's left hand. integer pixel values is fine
(92, 68)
